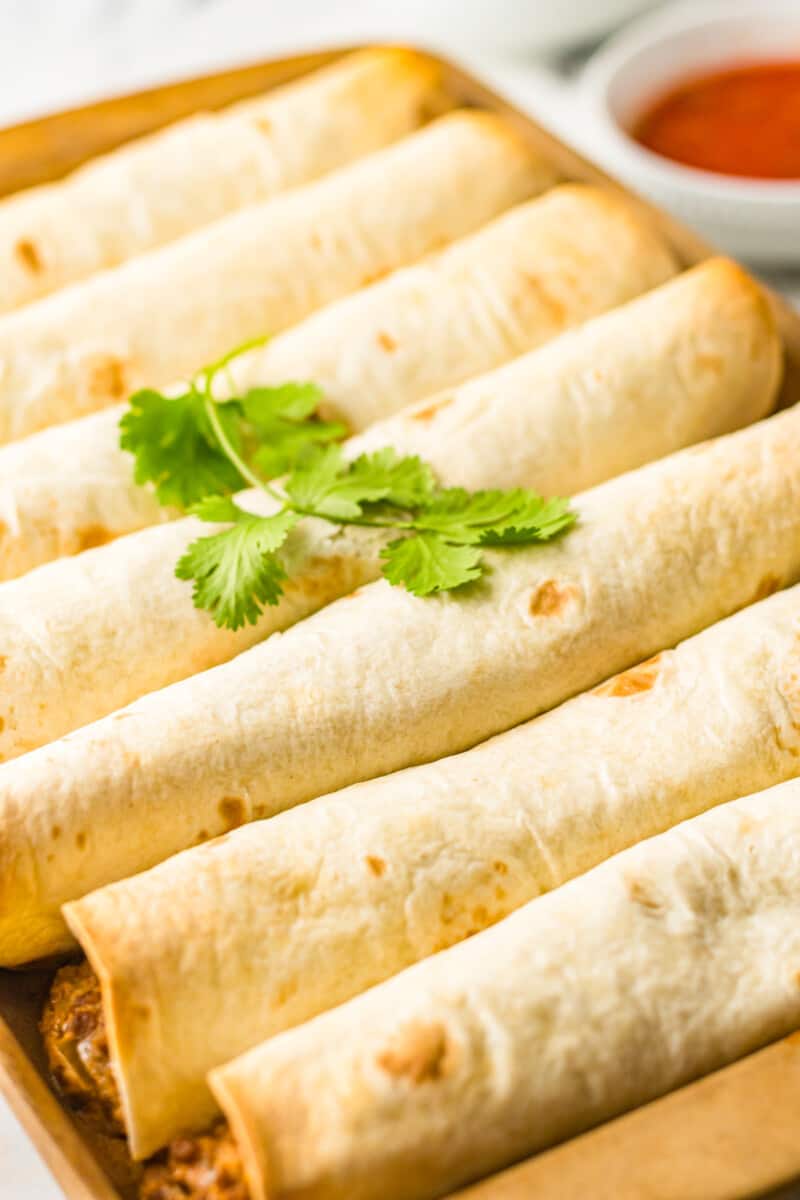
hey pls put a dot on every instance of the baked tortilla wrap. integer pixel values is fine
(161, 187)
(665, 963)
(85, 636)
(382, 679)
(232, 942)
(522, 279)
(257, 271)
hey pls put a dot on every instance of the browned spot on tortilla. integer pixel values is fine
(500, 867)
(793, 1039)
(555, 308)
(797, 978)
(711, 362)
(80, 840)
(420, 1054)
(233, 811)
(386, 341)
(374, 276)
(480, 915)
(28, 254)
(630, 683)
(91, 536)
(2, 724)
(376, 865)
(202, 836)
(429, 411)
(55, 832)
(107, 378)
(500, 893)
(3, 661)
(638, 892)
(264, 124)
(550, 599)
(767, 587)
(286, 990)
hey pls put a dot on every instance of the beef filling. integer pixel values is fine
(73, 1030)
(206, 1167)
(74, 1033)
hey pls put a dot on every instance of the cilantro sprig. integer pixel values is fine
(198, 450)
(193, 445)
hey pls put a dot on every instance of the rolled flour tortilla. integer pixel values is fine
(258, 271)
(85, 636)
(517, 282)
(669, 961)
(232, 942)
(382, 679)
(158, 188)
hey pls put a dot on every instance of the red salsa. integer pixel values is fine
(741, 121)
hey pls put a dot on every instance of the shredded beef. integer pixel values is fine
(206, 1167)
(74, 1033)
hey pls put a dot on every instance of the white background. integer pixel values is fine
(55, 53)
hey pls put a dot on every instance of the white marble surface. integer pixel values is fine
(55, 53)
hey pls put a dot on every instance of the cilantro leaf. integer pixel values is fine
(175, 449)
(326, 485)
(538, 521)
(281, 419)
(494, 517)
(288, 444)
(404, 482)
(288, 401)
(236, 572)
(216, 508)
(426, 563)
(312, 481)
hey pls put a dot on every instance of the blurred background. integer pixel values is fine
(558, 59)
(60, 53)
(52, 53)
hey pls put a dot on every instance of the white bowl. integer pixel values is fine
(753, 219)
(515, 26)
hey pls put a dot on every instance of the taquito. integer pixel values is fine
(519, 281)
(232, 942)
(257, 271)
(160, 187)
(669, 961)
(382, 679)
(87, 635)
